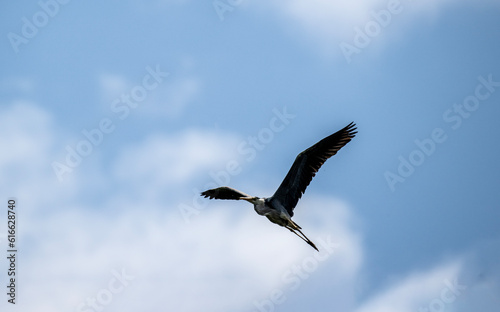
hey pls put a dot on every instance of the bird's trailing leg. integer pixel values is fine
(304, 238)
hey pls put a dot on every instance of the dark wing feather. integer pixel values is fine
(224, 193)
(307, 164)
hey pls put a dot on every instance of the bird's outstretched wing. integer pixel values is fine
(307, 164)
(224, 193)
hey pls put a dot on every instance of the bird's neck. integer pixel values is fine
(259, 204)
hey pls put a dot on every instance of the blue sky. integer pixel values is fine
(114, 116)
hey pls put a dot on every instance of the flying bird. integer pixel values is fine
(279, 207)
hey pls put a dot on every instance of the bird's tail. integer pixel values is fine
(304, 237)
(296, 226)
(309, 241)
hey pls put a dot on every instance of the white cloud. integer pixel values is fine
(17, 84)
(27, 136)
(221, 258)
(328, 23)
(112, 86)
(174, 159)
(169, 98)
(224, 260)
(416, 290)
(20, 123)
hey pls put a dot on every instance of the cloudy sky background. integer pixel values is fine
(114, 116)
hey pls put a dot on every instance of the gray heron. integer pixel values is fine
(279, 207)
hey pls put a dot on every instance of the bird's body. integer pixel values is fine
(275, 213)
(279, 207)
